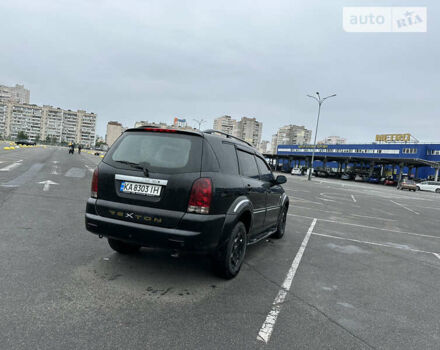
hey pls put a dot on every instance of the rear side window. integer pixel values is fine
(265, 172)
(228, 158)
(162, 153)
(248, 167)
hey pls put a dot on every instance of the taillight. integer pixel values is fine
(94, 190)
(200, 198)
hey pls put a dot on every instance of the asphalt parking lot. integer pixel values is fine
(359, 268)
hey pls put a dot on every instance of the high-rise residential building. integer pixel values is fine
(47, 123)
(249, 129)
(3, 118)
(14, 94)
(152, 124)
(292, 135)
(114, 130)
(264, 147)
(225, 124)
(333, 140)
(273, 144)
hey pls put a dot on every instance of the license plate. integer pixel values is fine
(139, 188)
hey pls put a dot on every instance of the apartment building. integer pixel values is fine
(152, 124)
(47, 122)
(333, 140)
(114, 130)
(14, 94)
(273, 144)
(264, 147)
(3, 117)
(250, 130)
(293, 135)
(225, 124)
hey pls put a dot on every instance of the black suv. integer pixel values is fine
(198, 191)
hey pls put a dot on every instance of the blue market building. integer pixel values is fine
(418, 160)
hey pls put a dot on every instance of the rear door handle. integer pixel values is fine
(248, 186)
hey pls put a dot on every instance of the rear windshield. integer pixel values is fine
(162, 153)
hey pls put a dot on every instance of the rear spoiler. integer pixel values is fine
(147, 128)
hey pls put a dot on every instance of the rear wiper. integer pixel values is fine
(134, 165)
(141, 165)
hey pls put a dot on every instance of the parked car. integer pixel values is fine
(374, 179)
(347, 176)
(25, 142)
(429, 186)
(320, 173)
(186, 190)
(359, 178)
(389, 181)
(296, 171)
(407, 184)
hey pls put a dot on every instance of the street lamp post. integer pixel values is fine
(200, 122)
(320, 102)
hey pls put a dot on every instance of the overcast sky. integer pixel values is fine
(155, 60)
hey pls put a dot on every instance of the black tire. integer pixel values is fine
(228, 259)
(123, 247)
(437, 190)
(281, 228)
(418, 188)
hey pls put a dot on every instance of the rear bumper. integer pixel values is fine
(194, 232)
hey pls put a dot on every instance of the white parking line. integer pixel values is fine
(327, 200)
(405, 207)
(354, 199)
(325, 211)
(372, 227)
(377, 244)
(268, 325)
(295, 189)
(305, 200)
(372, 217)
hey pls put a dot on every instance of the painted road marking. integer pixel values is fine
(327, 200)
(305, 200)
(354, 199)
(75, 172)
(395, 246)
(404, 207)
(89, 168)
(428, 207)
(47, 184)
(325, 211)
(11, 166)
(25, 177)
(268, 325)
(365, 226)
(372, 217)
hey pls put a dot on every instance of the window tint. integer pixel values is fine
(164, 153)
(228, 158)
(265, 173)
(209, 162)
(248, 167)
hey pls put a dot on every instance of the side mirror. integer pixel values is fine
(281, 179)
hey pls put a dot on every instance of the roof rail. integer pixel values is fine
(212, 131)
